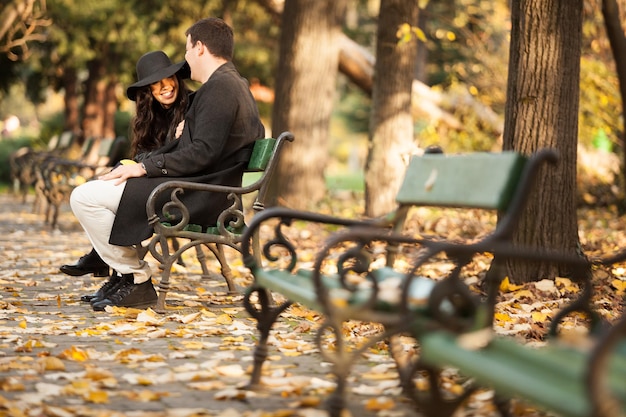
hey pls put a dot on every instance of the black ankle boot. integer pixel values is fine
(129, 294)
(108, 288)
(87, 264)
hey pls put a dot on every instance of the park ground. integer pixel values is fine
(59, 358)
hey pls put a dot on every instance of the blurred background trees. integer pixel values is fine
(77, 57)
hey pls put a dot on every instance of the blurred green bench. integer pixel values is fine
(371, 270)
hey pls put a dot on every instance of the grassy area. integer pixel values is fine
(349, 181)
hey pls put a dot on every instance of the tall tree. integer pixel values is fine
(617, 39)
(542, 111)
(391, 121)
(305, 94)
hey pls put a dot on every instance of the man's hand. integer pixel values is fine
(123, 172)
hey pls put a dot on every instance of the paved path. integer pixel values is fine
(60, 358)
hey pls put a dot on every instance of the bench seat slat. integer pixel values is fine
(294, 287)
(550, 376)
(299, 287)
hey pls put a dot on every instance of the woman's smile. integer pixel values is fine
(165, 91)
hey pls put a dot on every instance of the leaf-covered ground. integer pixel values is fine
(60, 358)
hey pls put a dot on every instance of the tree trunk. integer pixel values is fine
(305, 95)
(391, 123)
(110, 108)
(95, 86)
(72, 112)
(542, 112)
(617, 39)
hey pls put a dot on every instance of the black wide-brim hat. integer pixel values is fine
(154, 66)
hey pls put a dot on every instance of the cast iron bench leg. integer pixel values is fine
(266, 315)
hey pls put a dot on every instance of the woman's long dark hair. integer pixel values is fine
(154, 125)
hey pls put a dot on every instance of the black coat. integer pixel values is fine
(222, 120)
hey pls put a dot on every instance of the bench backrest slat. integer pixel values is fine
(477, 180)
(105, 147)
(261, 154)
(65, 140)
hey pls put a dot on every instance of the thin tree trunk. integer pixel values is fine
(542, 111)
(93, 119)
(617, 40)
(110, 108)
(72, 111)
(391, 123)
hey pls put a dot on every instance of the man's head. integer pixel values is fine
(215, 34)
(209, 44)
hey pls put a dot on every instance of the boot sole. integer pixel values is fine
(139, 305)
(99, 272)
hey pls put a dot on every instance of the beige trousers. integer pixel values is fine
(94, 204)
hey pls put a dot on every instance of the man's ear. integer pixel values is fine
(202, 49)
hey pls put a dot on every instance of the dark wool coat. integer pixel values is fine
(221, 122)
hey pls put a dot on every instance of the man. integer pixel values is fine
(220, 127)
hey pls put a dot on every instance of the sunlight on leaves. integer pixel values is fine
(619, 285)
(379, 404)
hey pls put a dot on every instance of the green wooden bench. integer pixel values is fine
(231, 222)
(356, 275)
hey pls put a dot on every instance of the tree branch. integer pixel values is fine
(19, 21)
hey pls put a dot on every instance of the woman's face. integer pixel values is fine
(165, 91)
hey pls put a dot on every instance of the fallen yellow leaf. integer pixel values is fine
(539, 316)
(506, 286)
(50, 363)
(141, 380)
(619, 285)
(502, 317)
(97, 397)
(224, 319)
(75, 354)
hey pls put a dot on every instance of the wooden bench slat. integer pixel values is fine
(261, 154)
(551, 376)
(295, 287)
(298, 287)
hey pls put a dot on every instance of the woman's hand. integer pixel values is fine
(124, 172)
(179, 129)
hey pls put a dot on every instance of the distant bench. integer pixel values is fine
(56, 176)
(356, 276)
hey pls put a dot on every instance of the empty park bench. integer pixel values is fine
(56, 176)
(25, 161)
(172, 225)
(357, 276)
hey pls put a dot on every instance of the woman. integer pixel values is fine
(162, 100)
